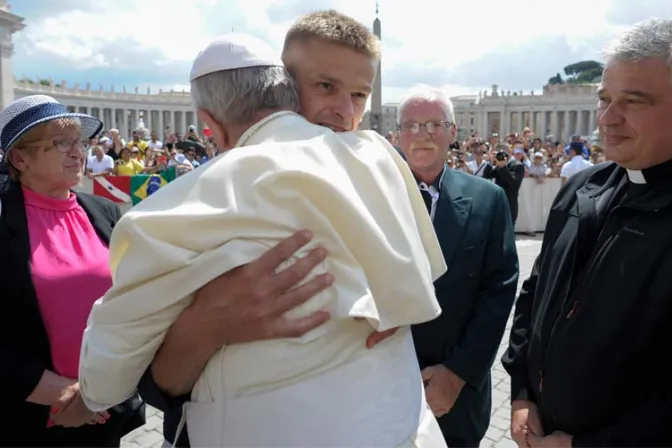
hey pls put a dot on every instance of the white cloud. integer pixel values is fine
(462, 46)
(167, 27)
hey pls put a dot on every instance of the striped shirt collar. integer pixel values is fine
(438, 182)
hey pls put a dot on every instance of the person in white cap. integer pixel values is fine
(361, 201)
(333, 59)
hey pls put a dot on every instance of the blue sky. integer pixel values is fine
(462, 47)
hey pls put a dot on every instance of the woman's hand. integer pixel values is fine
(70, 411)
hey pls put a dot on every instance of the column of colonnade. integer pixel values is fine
(126, 119)
(560, 123)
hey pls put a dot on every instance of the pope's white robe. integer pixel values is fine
(324, 389)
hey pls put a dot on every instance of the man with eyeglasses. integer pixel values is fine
(472, 222)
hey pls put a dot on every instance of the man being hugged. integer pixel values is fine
(355, 193)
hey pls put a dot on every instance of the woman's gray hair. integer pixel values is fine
(648, 39)
(235, 96)
(428, 93)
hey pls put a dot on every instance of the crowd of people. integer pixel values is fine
(316, 287)
(507, 162)
(110, 154)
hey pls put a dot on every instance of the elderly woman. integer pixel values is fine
(54, 265)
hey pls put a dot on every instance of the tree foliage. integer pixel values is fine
(578, 68)
(557, 79)
(582, 72)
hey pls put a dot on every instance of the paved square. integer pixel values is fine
(497, 436)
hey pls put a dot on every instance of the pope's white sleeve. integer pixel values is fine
(162, 251)
(127, 326)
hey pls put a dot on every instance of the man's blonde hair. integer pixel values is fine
(337, 28)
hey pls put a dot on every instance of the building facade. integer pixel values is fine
(559, 112)
(9, 24)
(121, 110)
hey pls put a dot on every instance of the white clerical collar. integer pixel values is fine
(636, 177)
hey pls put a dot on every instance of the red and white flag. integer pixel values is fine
(115, 188)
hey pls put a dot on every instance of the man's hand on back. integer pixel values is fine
(248, 303)
(243, 305)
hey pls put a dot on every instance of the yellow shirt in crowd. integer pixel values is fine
(140, 144)
(129, 168)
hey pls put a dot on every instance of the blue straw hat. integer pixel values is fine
(25, 113)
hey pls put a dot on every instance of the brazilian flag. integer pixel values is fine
(143, 185)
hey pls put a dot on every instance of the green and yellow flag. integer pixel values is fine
(143, 185)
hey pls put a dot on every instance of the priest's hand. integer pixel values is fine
(558, 439)
(442, 387)
(524, 421)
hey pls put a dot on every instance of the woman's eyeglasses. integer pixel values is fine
(66, 144)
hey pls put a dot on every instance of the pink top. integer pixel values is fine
(70, 269)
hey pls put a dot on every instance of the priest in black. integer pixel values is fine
(475, 230)
(592, 328)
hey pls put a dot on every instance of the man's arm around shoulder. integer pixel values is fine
(473, 356)
(168, 381)
(245, 304)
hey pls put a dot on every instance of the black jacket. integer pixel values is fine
(24, 345)
(170, 406)
(509, 178)
(592, 326)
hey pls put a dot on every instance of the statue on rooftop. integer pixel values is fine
(142, 131)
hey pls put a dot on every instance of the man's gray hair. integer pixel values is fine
(428, 93)
(236, 96)
(648, 39)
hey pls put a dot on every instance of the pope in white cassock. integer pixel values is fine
(357, 196)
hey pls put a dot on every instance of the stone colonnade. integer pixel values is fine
(559, 123)
(126, 119)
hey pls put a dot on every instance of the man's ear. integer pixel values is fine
(219, 133)
(453, 130)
